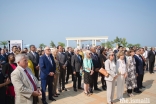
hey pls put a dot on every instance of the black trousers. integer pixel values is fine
(3, 95)
(77, 76)
(103, 81)
(141, 78)
(138, 82)
(44, 83)
(36, 73)
(93, 81)
(62, 78)
(151, 66)
(69, 71)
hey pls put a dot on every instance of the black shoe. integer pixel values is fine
(75, 89)
(52, 99)
(140, 88)
(64, 89)
(44, 102)
(104, 88)
(138, 91)
(60, 90)
(57, 94)
(97, 89)
(80, 88)
(91, 91)
(143, 87)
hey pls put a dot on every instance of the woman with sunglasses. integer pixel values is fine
(88, 71)
(110, 67)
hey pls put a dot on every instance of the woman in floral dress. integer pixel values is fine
(131, 73)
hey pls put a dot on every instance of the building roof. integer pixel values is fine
(87, 38)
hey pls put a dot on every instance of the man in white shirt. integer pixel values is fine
(146, 57)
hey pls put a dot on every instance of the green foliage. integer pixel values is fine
(52, 44)
(61, 44)
(4, 43)
(108, 44)
(42, 46)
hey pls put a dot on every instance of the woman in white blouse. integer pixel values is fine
(110, 67)
(122, 73)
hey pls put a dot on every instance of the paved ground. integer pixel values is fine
(71, 97)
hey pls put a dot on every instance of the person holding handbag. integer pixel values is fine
(88, 71)
(122, 73)
(110, 67)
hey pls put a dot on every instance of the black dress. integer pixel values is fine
(2, 89)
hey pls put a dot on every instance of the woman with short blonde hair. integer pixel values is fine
(122, 73)
(57, 72)
(88, 71)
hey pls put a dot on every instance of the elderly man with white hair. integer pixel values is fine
(76, 63)
(26, 85)
(47, 67)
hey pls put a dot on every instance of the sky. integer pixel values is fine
(42, 21)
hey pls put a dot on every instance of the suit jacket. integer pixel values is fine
(139, 65)
(23, 86)
(62, 58)
(46, 67)
(151, 56)
(69, 56)
(3, 59)
(111, 69)
(34, 60)
(7, 70)
(102, 59)
(76, 63)
(96, 61)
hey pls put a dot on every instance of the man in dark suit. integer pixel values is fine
(144, 64)
(151, 57)
(34, 57)
(14, 50)
(97, 66)
(69, 67)
(2, 58)
(62, 58)
(139, 70)
(47, 67)
(76, 63)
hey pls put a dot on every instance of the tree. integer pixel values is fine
(42, 46)
(130, 45)
(108, 44)
(52, 44)
(61, 44)
(124, 42)
(4, 43)
(137, 45)
(118, 41)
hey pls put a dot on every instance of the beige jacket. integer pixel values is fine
(22, 86)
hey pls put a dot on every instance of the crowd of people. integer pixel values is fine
(21, 71)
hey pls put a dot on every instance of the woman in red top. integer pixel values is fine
(7, 69)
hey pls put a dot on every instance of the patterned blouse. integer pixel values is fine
(57, 65)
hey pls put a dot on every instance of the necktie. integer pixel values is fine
(31, 80)
(79, 57)
(49, 59)
(34, 54)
